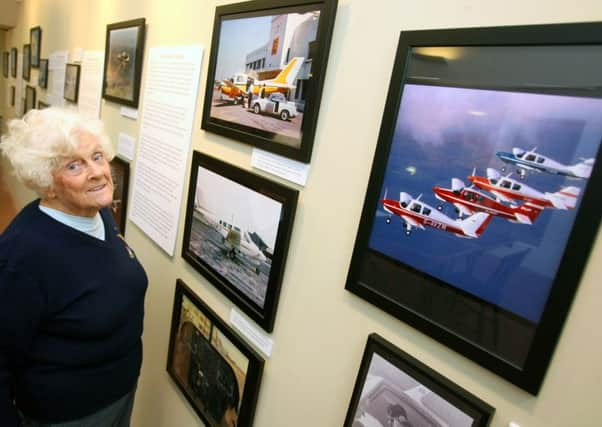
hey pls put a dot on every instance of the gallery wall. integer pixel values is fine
(321, 329)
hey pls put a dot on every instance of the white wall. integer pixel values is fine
(321, 329)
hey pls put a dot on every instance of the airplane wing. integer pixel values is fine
(412, 222)
(501, 196)
(529, 168)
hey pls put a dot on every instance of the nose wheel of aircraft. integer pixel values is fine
(521, 173)
(439, 208)
(408, 232)
(388, 220)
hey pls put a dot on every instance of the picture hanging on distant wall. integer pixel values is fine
(35, 40)
(120, 172)
(43, 74)
(5, 63)
(30, 98)
(26, 72)
(71, 91)
(13, 62)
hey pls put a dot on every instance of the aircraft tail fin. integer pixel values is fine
(565, 198)
(288, 75)
(474, 225)
(583, 169)
(527, 213)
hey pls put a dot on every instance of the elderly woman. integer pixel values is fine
(71, 290)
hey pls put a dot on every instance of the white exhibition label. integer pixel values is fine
(288, 169)
(170, 99)
(90, 84)
(262, 341)
(77, 54)
(125, 146)
(56, 78)
(130, 113)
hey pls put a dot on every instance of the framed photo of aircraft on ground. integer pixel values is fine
(483, 201)
(237, 232)
(218, 373)
(266, 73)
(395, 389)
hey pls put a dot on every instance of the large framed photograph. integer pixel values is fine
(484, 200)
(124, 49)
(30, 98)
(12, 96)
(218, 373)
(5, 63)
(35, 41)
(266, 73)
(395, 389)
(237, 232)
(13, 62)
(26, 71)
(43, 74)
(120, 172)
(71, 90)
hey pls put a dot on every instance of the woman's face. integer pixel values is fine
(82, 183)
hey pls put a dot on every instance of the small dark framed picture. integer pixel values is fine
(12, 96)
(42, 105)
(35, 41)
(395, 389)
(266, 73)
(5, 63)
(13, 62)
(120, 171)
(30, 98)
(71, 91)
(43, 74)
(218, 373)
(237, 232)
(26, 72)
(124, 49)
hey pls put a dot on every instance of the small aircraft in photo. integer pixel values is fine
(416, 213)
(467, 201)
(507, 190)
(533, 161)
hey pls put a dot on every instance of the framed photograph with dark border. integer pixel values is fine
(483, 201)
(5, 63)
(218, 373)
(13, 62)
(120, 171)
(12, 96)
(266, 72)
(30, 98)
(237, 232)
(71, 91)
(124, 50)
(35, 41)
(43, 74)
(395, 389)
(26, 72)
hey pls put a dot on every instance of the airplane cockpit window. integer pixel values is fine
(516, 187)
(520, 155)
(540, 160)
(237, 228)
(416, 207)
(530, 158)
(505, 184)
(403, 204)
(467, 196)
(493, 181)
(426, 211)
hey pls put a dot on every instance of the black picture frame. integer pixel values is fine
(124, 52)
(71, 89)
(470, 294)
(43, 74)
(5, 63)
(13, 62)
(35, 41)
(289, 129)
(237, 232)
(26, 71)
(120, 172)
(194, 350)
(12, 96)
(401, 388)
(30, 98)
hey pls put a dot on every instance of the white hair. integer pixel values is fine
(35, 144)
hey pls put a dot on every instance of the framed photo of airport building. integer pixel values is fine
(237, 232)
(266, 73)
(483, 199)
(218, 373)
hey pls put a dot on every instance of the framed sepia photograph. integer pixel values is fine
(395, 389)
(43, 74)
(218, 373)
(483, 200)
(266, 72)
(237, 232)
(124, 49)
(13, 62)
(71, 91)
(30, 98)
(35, 41)
(5, 63)
(12, 96)
(42, 105)
(120, 171)
(26, 72)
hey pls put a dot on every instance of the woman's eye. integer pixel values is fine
(73, 166)
(98, 156)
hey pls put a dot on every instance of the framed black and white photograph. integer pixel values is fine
(71, 91)
(5, 63)
(395, 389)
(237, 232)
(30, 98)
(124, 49)
(217, 372)
(35, 41)
(484, 197)
(266, 72)
(120, 172)
(43, 74)
(26, 71)
(12, 96)
(42, 105)
(13, 62)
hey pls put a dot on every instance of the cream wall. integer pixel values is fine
(321, 329)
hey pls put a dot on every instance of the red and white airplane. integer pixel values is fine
(416, 213)
(468, 201)
(507, 190)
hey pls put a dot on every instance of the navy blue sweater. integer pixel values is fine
(71, 309)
